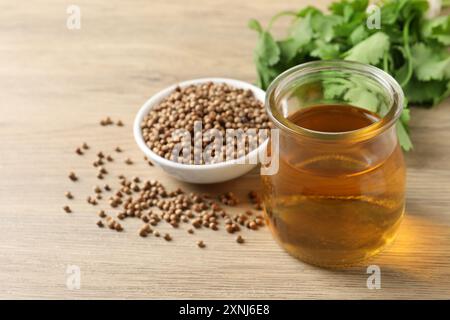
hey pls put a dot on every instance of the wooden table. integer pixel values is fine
(58, 83)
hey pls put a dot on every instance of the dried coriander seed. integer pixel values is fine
(119, 123)
(73, 176)
(215, 105)
(67, 209)
(201, 244)
(129, 161)
(118, 149)
(100, 224)
(68, 195)
(167, 237)
(142, 233)
(85, 146)
(79, 151)
(239, 239)
(101, 214)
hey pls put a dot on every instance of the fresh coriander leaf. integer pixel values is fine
(425, 92)
(430, 63)
(403, 136)
(267, 51)
(288, 50)
(323, 26)
(335, 89)
(406, 115)
(362, 98)
(437, 29)
(301, 31)
(346, 7)
(325, 51)
(359, 34)
(410, 8)
(255, 25)
(369, 51)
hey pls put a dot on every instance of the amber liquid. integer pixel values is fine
(332, 205)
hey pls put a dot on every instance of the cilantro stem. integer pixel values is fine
(407, 51)
(279, 15)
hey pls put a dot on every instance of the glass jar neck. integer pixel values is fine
(311, 83)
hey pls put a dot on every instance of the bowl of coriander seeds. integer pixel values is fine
(206, 130)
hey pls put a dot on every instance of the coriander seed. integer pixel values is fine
(68, 195)
(201, 244)
(73, 176)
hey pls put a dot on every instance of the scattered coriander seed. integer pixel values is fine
(167, 237)
(101, 214)
(107, 187)
(67, 209)
(147, 227)
(118, 149)
(100, 176)
(129, 161)
(119, 123)
(118, 227)
(73, 176)
(201, 244)
(85, 146)
(111, 223)
(156, 234)
(239, 239)
(97, 189)
(252, 225)
(142, 233)
(109, 158)
(190, 230)
(213, 226)
(79, 151)
(68, 195)
(100, 224)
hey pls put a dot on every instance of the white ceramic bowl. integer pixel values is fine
(205, 173)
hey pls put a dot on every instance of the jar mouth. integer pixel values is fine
(387, 82)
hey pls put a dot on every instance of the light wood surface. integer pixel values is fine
(56, 84)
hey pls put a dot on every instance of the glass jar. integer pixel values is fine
(337, 196)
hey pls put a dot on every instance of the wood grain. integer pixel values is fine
(57, 84)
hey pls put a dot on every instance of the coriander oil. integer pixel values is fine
(327, 204)
(334, 191)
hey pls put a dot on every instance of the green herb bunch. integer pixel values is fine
(410, 47)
